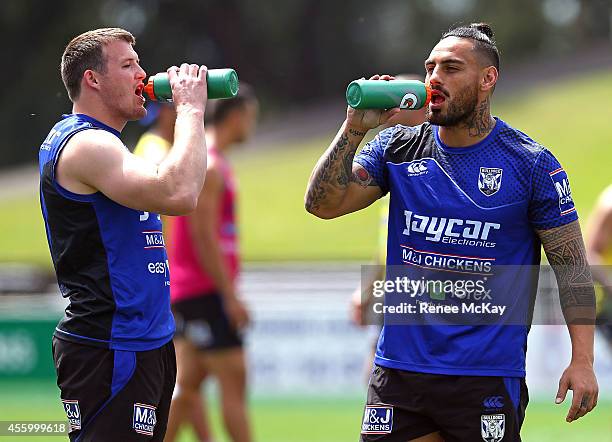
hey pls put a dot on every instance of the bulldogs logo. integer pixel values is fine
(492, 427)
(489, 180)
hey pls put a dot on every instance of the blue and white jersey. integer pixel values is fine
(466, 213)
(110, 260)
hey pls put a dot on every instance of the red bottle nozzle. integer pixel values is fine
(148, 89)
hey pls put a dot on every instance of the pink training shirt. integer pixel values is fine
(188, 279)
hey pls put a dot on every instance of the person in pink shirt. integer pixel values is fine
(204, 258)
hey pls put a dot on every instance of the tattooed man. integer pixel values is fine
(470, 197)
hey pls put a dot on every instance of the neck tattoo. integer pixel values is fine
(481, 122)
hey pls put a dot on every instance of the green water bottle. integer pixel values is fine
(221, 83)
(381, 94)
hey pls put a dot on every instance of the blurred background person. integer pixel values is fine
(156, 142)
(599, 254)
(361, 301)
(204, 258)
(154, 145)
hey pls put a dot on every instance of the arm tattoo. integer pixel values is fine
(566, 253)
(358, 173)
(362, 177)
(345, 170)
(480, 122)
(333, 170)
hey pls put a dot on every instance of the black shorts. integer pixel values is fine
(113, 395)
(404, 405)
(203, 321)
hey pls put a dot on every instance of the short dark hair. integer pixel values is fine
(483, 37)
(218, 110)
(85, 52)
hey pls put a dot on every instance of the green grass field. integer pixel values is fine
(564, 116)
(309, 419)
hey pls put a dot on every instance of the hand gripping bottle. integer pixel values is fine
(221, 83)
(381, 94)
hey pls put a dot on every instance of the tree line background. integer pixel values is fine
(291, 51)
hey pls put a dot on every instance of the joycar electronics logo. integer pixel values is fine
(450, 230)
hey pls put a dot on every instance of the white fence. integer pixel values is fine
(303, 343)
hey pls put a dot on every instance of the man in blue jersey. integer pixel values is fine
(113, 351)
(471, 197)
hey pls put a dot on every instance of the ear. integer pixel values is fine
(489, 78)
(90, 79)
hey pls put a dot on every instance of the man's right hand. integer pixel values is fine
(357, 308)
(337, 186)
(188, 85)
(363, 120)
(237, 312)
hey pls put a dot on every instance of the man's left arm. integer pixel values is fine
(566, 254)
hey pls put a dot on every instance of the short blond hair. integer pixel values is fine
(85, 52)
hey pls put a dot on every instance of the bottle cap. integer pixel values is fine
(149, 90)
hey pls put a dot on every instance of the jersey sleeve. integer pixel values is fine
(372, 158)
(551, 202)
